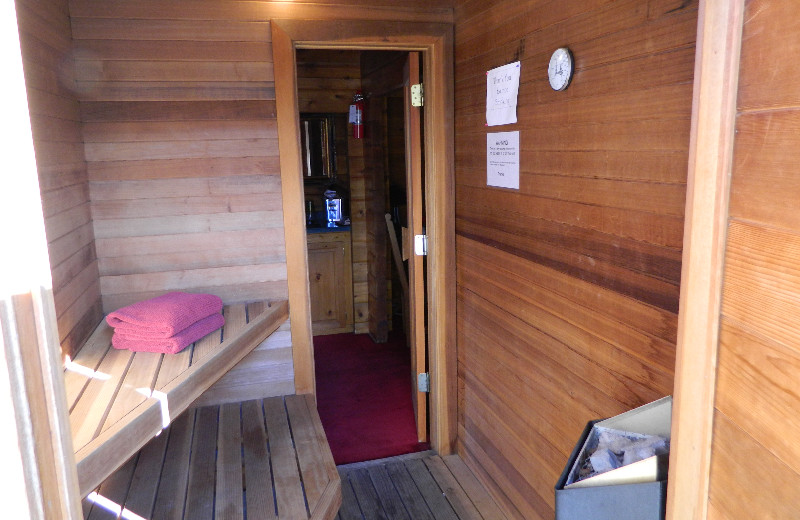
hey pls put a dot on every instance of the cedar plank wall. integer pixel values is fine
(326, 82)
(755, 464)
(568, 288)
(55, 119)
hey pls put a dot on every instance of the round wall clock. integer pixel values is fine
(560, 69)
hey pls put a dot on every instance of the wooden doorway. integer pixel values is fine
(434, 41)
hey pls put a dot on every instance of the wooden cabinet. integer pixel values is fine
(330, 277)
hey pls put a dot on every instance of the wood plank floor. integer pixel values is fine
(419, 486)
(256, 460)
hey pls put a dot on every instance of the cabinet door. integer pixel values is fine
(330, 282)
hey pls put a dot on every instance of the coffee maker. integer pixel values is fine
(334, 206)
(333, 210)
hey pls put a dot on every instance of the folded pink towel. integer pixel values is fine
(164, 316)
(173, 344)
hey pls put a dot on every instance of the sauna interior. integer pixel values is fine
(651, 248)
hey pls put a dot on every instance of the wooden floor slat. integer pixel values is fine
(350, 509)
(389, 498)
(366, 495)
(412, 498)
(473, 488)
(228, 504)
(286, 474)
(171, 494)
(200, 492)
(258, 473)
(113, 492)
(308, 455)
(421, 486)
(440, 507)
(459, 501)
(142, 493)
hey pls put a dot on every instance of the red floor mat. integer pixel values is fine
(364, 397)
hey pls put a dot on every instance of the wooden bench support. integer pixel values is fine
(119, 400)
(262, 459)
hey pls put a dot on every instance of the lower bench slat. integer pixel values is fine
(253, 439)
(129, 398)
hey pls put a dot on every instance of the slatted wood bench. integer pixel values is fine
(262, 459)
(119, 400)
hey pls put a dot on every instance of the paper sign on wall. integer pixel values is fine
(502, 87)
(502, 159)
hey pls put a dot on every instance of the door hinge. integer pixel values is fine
(417, 95)
(420, 245)
(424, 382)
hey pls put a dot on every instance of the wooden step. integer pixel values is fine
(262, 459)
(118, 399)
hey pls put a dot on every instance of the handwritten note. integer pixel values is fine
(502, 87)
(502, 159)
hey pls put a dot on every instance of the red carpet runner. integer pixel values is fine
(364, 397)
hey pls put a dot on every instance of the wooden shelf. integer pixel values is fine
(118, 399)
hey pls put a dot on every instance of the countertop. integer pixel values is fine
(326, 229)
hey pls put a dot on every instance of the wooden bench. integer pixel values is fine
(262, 459)
(118, 400)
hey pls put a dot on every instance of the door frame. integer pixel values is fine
(435, 42)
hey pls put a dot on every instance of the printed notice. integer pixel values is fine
(502, 87)
(502, 160)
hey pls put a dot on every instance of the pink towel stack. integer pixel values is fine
(167, 324)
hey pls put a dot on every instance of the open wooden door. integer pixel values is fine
(416, 262)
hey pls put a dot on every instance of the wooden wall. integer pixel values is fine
(45, 37)
(755, 457)
(568, 287)
(184, 176)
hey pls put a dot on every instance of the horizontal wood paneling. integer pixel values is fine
(733, 468)
(568, 288)
(267, 371)
(138, 216)
(754, 461)
(56, 125)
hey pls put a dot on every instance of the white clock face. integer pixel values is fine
(560, 69)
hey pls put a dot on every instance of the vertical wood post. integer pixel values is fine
(719, 35)
(40, 480)
(293, 215)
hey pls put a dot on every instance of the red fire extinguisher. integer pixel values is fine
(357, 115)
